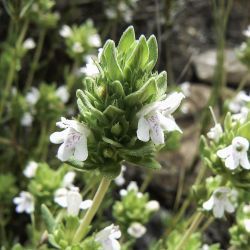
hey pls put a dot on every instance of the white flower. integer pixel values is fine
(65, 31)
(186, 88)
(63, 94)
(246, 223)
(219, 202)
(215, 133)
(120, 180)
(32, 96)
(108, 238)
(205, 247)
(246, 209)
(24, 202)
(73, 140)
(236, 154)
(156, 117)
(242, 116)
(30, 169)
(68, 179)
(153, 206)
(27, 119)
(131, 187)
(136, 230)
(111, 13)
(90, 69)
(72, 200)
(77, 47)
(29, 44)
(94, 40)
(247, 32)
(238, 102)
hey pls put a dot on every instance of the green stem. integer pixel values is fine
(84, 226)
(12, 69)
(146, 181)
(190, 231)
(36, 59)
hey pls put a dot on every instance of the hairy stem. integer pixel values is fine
(84, 226)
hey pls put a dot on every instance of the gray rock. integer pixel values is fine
(205, 63)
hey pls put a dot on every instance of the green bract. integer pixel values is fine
(108, 103)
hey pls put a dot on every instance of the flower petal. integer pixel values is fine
(231, 162)
(169, 123)
(208, 205)
(229, 206)
(218, 211)
(225, 152)
(143, 130)
(244, 162)
(64, 153)
(156, 132)
(81, 149)
(58, 137)
(86, 204)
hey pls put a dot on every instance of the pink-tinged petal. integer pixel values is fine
(81, 149)
(171, 103)
(86, 204)
(225, 152)
(229, 207)
(143, 130)
(64, 153)
(208, 205)
(168, 123)
(218, 210)
(58, 137)
(244, 162)
(232, 163)
(156, 132)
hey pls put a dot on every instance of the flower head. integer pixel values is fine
(131, 187)
(247, 32)
(241, 116)
(63, 94)
(25, 203)
(68, 179)
(153, 206)
(215, 132)
(108, 238)
(120, 180)
(238, 102)
(235, 155)
(90, 69)
(77, 47)
(136, 230)
(65, 31)
(27, 119)
(246, 223)
(32, 96)
(73, 140)
(72, 200)
(29, 44)
(94, 40)
(155, 118)
(219, 202)
(30, 169)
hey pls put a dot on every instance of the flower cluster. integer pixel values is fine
(124, 111)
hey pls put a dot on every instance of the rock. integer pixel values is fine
(205, 64)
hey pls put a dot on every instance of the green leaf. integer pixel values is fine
(244, 131)
(153, 51)
(228, 122)
(151, 163)
(161, 82)
(117, 88)
(139, 56)
(127, 39)
(112, 111)
(112, 142)
(141, 95)
(48, 218)
(113, 67)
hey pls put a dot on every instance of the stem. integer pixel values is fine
(146, 181)
(189, 232)
(36, 58)
(12, 69)
(84, 226)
